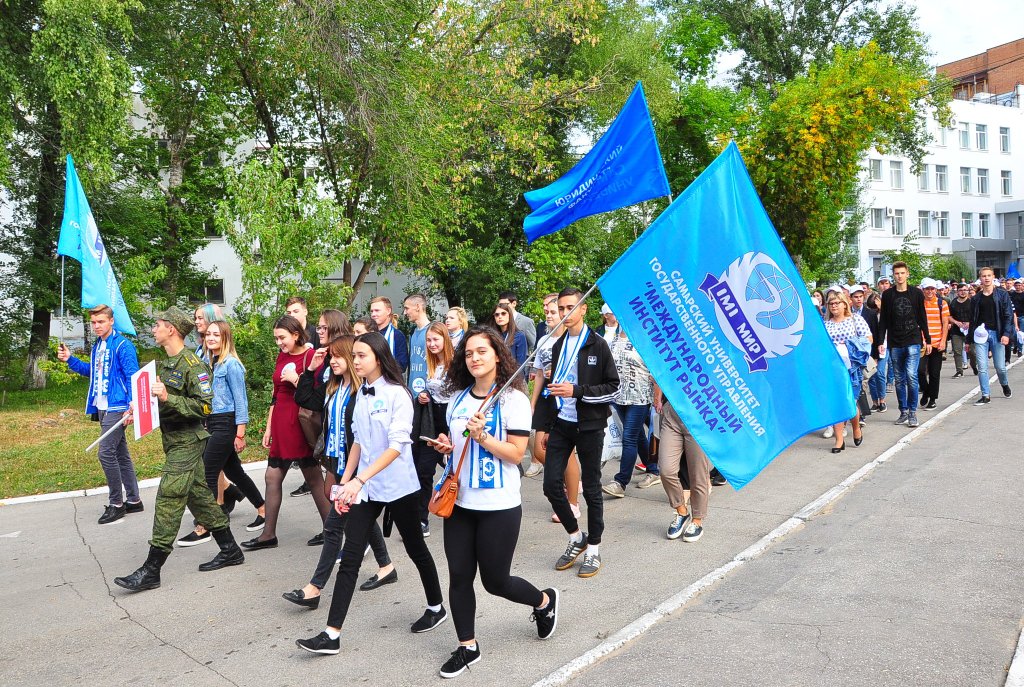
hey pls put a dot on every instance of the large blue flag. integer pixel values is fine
(80, 240)
(714, 304)
(623, 168)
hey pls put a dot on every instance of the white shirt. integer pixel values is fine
(568, 371)
(380, 422)
(500, 479)
(100, 384)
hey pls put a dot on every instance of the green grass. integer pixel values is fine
(45, 434)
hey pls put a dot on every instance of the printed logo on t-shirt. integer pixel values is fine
(378, 407)
(592, 360)
(418, 385)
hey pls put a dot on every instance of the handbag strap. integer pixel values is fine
(465, 446)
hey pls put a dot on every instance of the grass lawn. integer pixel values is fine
(45, 435)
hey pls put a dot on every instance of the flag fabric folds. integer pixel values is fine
(623, 168)
(713, 302)
(1013, 272)
(80, 240)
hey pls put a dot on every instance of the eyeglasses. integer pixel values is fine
(501, 314)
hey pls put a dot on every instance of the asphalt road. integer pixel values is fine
(911, 578)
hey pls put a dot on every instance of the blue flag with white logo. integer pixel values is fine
(715, 306)
(80, 239)
(623, 168)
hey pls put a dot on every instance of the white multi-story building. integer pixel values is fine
(968, 199)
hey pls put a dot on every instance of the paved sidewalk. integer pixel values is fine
(937, 579)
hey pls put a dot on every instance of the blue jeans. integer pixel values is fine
(998, 357)
(906, 360)
(633, 437)
(876, 385)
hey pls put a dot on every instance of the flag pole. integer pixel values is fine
(529, 358)
(62, 313)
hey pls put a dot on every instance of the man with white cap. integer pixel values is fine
(610, 329)
(929, 369)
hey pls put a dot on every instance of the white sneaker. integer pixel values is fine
(828, 433)
(534, 470)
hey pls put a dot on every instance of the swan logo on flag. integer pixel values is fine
(758, 309)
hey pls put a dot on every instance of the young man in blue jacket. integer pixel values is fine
(110, 368)
(992, 308)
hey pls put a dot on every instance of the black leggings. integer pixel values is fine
(485, 540)
(220, 455)
(361, 519)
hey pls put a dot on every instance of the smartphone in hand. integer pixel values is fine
(435, 442)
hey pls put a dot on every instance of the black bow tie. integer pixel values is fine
(369, 391)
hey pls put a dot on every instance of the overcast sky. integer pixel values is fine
(961, 28)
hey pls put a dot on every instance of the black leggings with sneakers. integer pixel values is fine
(485, 540)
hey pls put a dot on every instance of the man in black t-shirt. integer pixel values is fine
(902, 318)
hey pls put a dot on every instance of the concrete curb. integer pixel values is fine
(568, 671)
(98, 491)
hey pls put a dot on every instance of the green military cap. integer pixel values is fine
(179, 319)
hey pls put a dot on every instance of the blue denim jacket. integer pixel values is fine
(229, 390)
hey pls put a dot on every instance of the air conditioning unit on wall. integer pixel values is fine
(934, 215)
(889, 212)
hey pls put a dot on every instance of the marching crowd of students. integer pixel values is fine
(369, 416)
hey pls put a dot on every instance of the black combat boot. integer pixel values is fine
(146, 577)
(229, 554)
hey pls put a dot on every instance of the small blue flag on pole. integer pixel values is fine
(80, 240)
(1013, 272)
(623, 168)
(715, 306)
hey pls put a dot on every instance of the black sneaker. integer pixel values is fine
(881, 407)
(256, 525)
(931, 405)
(136, 507)
(321, 644)
(982, 401)
(902, 419)
(303, 490)
(461, 659)
(959, 374)
(425, 527)
(192, 538)
(547, 617)
(429, 620)
(317, 540)
(572, 552)
(111, 514)
(1006, 391)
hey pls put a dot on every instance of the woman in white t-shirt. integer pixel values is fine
(484, 526)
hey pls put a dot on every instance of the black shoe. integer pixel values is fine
(429, 620)
(146, 577)
(317, 540)
(232, 496)
(959, 374)
(882, 407)
(461, 659)
(840, 448)
(229, 553)
(297, 597)
(256, 525)
(136, 507)
(303, 490)
(193, 538)
(982, 401)
(856, 441)
(111, 514)
(1006, 391)
(547, 617)
(321, 644)
(425, 527)
(716, 478)
(375, 582)
(924, 402)
(256, 544)
(931, 404)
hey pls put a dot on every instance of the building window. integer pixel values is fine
(943, 135)
(941, 179)
(875, 170)
(965, 224)
(981, 136)
(211, 159)
(210, 229)
(878, 218)
(983, 225)
(1004, 139)
(922, 179)
(163, 154)
(965, 179)
(213, 292)
(983, 182)
(896, 175)
(898, 223)
(1006, 182)
(942, 225)
(923, 226)
(965, 135)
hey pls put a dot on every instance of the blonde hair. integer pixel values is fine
(227, 342)
(842, 298)
(341, 347)
(462, 315)
(447, 352)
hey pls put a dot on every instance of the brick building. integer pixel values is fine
(994, 74)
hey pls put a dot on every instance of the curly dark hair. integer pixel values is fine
(458, 376)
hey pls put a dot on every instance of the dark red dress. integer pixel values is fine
(287, 441)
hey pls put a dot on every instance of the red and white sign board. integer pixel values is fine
(147, 412)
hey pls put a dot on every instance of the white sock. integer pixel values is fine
(471, 647)
(333, 634)
(434, 609)
(592, 550)
(576, 538)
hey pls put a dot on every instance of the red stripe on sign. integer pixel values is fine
(144, 408)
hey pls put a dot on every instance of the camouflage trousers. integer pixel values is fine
(183, 483)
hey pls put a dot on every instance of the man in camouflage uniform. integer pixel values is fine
(183, 388)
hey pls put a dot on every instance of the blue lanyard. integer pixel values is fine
(565, 364)
(389, 336)
(339, 431)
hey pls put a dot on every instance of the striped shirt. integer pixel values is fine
(933, 311)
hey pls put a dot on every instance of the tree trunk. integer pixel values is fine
(43, 235)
